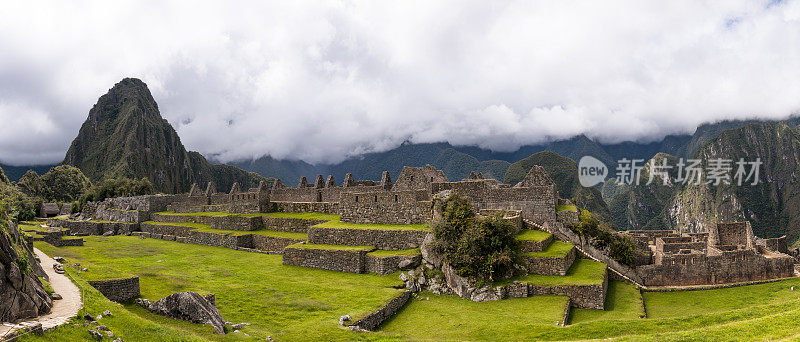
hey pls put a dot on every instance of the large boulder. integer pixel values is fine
(22, 295)
(187, 306)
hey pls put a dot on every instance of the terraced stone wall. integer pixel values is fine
(389, 264)
(529, 246)
(549, 265)
(382, 239)
(335, 260)
(286, 224)
(118, 290)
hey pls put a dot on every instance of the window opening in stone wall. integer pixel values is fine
(356, 198)
(376, 198)
(395, 198)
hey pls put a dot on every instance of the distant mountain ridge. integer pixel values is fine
(458, 161)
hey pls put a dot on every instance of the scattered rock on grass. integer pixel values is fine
(344, 318)
(95, 335)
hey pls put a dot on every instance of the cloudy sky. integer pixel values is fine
(321, 81)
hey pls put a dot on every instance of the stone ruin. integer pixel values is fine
(728, 253)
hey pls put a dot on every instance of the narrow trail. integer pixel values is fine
(63, 309)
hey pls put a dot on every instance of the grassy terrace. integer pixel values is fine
(556, 249)
(332, 247)
(332, 220)
(289, 303)
(582, 272)
(200, 227)
(293, 303)
(386, 254)
(533, 235)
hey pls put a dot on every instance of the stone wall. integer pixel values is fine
(549, 265)
(84, 228)
(388, 264)
(285, 224)
(352, 261)
(118, 290)
(535, 246)
(217, 222)
(382, 239)
(374, 319)
(391, 207)
(305, 207)
(727, 267)
(582, 296)
(537, 203)
(188, 235)
(775, 244)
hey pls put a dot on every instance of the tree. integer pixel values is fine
(32, 184)
(64, 183)
(483, 248)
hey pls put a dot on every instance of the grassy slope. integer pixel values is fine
(285, 302)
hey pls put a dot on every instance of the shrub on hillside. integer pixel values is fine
(618, 247)
(19, 205)
(481, 248)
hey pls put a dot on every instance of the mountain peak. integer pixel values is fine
(125, 136)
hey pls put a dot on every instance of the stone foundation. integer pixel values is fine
(118, 290)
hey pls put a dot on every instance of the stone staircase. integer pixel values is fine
(554, 268)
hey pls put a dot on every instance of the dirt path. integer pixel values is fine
(63, 309)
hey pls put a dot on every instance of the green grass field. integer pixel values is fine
(533, 235)
(293, 303)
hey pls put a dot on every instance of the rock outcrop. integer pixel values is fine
(21, 292)
(187, 306)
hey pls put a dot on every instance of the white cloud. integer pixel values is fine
(323, 81)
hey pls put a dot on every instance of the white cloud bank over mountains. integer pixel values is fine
(321, 81)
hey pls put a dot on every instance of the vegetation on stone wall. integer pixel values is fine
(618, 247)
(115, 187)
(481, 248)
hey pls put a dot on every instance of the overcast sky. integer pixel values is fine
(321, 81)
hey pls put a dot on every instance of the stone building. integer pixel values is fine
(728, 253)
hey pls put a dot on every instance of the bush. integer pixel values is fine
(64, 183)
(481, 248)
(19, 205)
(618, 247)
